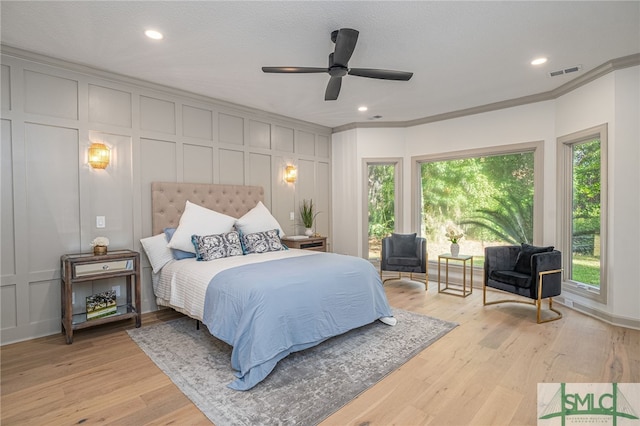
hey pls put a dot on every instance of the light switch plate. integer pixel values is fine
(101, 221)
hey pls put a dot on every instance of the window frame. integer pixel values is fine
(397, 206)
(537, 147)
(565, 209)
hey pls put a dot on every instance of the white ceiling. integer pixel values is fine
(462, 54)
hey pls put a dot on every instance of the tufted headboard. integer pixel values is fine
(169, 198)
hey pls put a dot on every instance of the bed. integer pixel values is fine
(267, 301)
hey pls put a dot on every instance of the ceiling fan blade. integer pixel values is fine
(333, 89)
(294, 70)
(381, 74)
(345, 44)
(345, 40)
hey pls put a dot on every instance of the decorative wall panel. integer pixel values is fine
(50, 95)
(7, 234)
(157, 160)
(283, 197)
(259, 173)
(323, 197)
(41, 294)
(197, 122)
(231, 167)
(157, 115)
(157, 163)
(110, 192)
(109, 106)
(9, 304)
(306, 184)
(305, 143)
(259, 134)
(5, 87)
(283, 139)
(323, 146)
(198, 163)
(53, 196)
(231, 129)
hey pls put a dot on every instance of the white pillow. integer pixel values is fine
(258, 219)
(198, 220)
(157, 251)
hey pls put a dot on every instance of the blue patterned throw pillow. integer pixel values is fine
(262, 242)
(210, 247)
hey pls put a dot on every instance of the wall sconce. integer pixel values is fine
(290, 174)
(99, 156)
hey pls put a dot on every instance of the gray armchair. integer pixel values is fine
(404, 253)
(528, 271)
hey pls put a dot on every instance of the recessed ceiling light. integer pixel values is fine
(156, 35)
(362, 108)
(538, 61)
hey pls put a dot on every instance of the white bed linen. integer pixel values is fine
(182, 284)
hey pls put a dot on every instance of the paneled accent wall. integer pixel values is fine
(52, 111)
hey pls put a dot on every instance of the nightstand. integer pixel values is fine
(81, 268)
(311, 243)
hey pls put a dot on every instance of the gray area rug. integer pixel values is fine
(304, 388)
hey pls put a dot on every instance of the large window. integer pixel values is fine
(582, 210)
(488, 194)
(382, 204)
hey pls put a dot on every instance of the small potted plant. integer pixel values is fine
(454, 234)
(308, 216)
(99, 245)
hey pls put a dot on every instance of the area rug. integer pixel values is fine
(304, 388)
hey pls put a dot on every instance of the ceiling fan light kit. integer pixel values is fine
(345, 40)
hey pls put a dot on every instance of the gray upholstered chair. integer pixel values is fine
(404, 253)
(525, 270)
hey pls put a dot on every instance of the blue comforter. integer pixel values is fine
(270, 309)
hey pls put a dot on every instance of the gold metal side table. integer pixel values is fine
(459, 290)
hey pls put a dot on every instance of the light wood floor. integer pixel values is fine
(484, 372)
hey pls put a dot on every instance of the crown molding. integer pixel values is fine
(589, 76)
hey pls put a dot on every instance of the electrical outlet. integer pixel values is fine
(73, 298)
(116, 288)
(101, 221)
(568, 303)
(292, 216)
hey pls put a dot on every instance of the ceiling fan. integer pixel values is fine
(345, 40)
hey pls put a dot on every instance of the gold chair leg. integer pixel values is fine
(537, 302)
(400, 277)
(392, 278)
(426, 273)
(426, 279)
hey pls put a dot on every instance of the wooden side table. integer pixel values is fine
(311, 243)
(461, 291)
(85, 267)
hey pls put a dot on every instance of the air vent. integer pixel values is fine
(565, 71)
